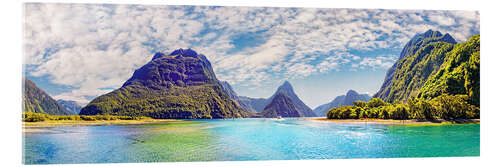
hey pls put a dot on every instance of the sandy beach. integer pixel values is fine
(398, 122)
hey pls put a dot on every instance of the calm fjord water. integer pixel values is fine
(245, 139)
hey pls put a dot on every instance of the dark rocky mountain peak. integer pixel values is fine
(448, 38)
(430, 33)
(286, 88)
(185, 52)
(292, 100)
(179, 85)
(158, 55)
(184, 68)
(282, 105)
(422, 39)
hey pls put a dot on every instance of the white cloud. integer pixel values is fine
(383, 61)
(90, 46)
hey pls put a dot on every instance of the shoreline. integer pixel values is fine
(27, 125)
(97, 122)
(397, 122)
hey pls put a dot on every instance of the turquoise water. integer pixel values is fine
(245, 139)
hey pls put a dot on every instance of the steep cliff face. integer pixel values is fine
(458, 74)
(37, 101)
(433, 64)
(179, 85)
(419, 59)
(229, 90)
(418, 42)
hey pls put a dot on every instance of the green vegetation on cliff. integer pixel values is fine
(35, 100)
(439, 81)
(179, 85)
(413, 71)
(458, 74)
(176, 102)
(432, 64)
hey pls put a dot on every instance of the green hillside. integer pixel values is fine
(35, 100)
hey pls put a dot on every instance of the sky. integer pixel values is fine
(80, 51)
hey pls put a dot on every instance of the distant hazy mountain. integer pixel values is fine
(342, 100)
(229, 90)
(247, 103)
(71, 106)
(37, 101)
(253, 104)
(181, 84)
(285, 101)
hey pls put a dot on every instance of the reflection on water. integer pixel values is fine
(244, 139)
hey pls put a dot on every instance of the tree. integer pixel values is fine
(375, 102)
(401, 112)
(360, 104)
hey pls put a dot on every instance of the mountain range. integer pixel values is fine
(342, 100)
(284, 102)
(71, 106)
(247, 103)
(182, 84)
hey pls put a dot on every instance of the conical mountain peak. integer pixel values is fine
(286, 86)
(286, 95)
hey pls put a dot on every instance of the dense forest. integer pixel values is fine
(445, 106)
(439, 81)
(39, 117)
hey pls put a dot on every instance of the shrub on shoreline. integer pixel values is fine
(448, 107)
(39, 117)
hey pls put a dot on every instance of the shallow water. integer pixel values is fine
(245, 139)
